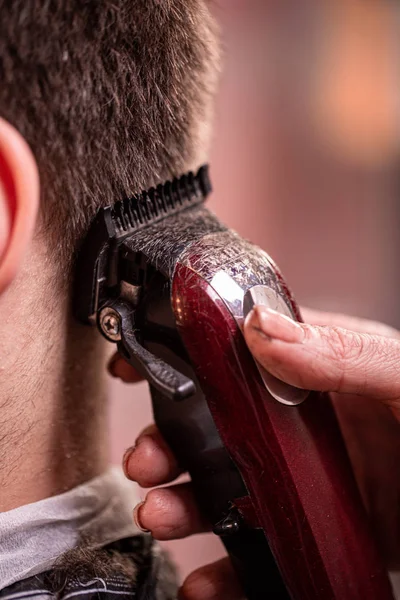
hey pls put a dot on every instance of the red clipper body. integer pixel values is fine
(301, 489)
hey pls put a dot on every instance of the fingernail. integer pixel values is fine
(136, 517)
(125, 461)
(130, 451)
(274, 325)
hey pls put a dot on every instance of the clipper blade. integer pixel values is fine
(160, 202)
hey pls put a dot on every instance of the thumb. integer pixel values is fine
(328, 359)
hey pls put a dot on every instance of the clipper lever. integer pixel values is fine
(115, 322)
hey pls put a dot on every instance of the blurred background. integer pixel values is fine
(305, 163)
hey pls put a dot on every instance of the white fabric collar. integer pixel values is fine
(32, 537)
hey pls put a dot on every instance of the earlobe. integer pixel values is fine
(19, 201)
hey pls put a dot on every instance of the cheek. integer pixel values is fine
(5, 220)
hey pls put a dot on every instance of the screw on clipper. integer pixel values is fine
(110, 324)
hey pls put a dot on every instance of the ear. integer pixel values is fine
(19, 201)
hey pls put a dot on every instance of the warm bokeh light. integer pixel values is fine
(356, 96)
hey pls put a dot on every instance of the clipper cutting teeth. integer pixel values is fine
(167, 199)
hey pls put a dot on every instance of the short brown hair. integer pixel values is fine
(107, 94)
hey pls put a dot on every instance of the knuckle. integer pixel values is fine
(345, 350)
(348, 347)
(345, 345)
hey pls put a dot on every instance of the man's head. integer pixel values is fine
(111, 97)
(98, 100)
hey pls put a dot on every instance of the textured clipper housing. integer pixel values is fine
(97, 260)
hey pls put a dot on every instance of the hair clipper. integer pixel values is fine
(160, 276)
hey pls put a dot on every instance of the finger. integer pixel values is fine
(216, 581)
(120, 369)
(151, 462)
(171, 513)
(317, 317)
(325, 358)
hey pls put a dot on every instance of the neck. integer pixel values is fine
(53, 420)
